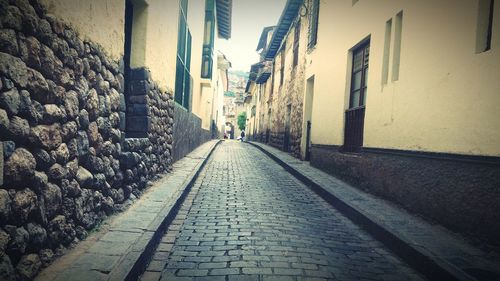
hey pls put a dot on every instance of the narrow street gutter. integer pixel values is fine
(421, 259)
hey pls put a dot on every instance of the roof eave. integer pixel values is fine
(287, 17)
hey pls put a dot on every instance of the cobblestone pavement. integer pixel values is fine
(248, 219)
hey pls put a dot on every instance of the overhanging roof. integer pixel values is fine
(263, 77)
(224, 15)
(263, 37)
(289, 13)
(254, 69)
(249, 83)
(264, 72)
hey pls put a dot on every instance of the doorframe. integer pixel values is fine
(307, 116)
(348, 97)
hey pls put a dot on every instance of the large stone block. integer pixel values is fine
(8, 42)
(48, 137)
(138, 99)
(24, 203)
(129, 159)
(4, 123)
(138, 110)
(84, 177)
(20, 167)
(140, 74)
(28, 266)
(10, 101)
(5, 209)
(138, 124)
(19, 129)
(139, 88)
(123, 118)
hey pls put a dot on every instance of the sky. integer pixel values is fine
(248, 19)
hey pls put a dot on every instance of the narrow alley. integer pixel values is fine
(251, 220)
(160, 140)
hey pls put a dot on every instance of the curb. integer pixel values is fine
(131, 266)
(422, 261)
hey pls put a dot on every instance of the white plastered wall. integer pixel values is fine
(100, 21)
(447, 98)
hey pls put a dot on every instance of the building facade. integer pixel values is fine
(397, 97)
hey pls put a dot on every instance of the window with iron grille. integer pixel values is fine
(355, 115)
(183, 79)
(282, 67)
(313, 23)
(296, 40)
(272, 79)
(359, 76)
(208, 41)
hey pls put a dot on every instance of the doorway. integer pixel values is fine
(286, 136)
(307, 125)
(355, 114)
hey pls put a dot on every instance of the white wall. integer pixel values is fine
(447, 97)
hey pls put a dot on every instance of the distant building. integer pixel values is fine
(259, 92)
(233, 102)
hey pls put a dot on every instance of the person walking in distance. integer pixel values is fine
(242, 136)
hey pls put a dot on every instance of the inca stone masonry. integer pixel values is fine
(65, 160)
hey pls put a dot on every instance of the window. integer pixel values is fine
(355, 115)
(272, 79)
(359, 78)
(282, 67)
(183, 79)
(396, 52)
(396, 56)
(269, 118)
(208, 40)
(313, 24)
(387, 51)
(484, 25)
(296, 40)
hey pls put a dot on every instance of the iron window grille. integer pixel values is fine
(313, 24)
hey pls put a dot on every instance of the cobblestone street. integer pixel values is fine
(251, 220)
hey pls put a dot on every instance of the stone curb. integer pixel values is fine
(133, 264)
(432, 267)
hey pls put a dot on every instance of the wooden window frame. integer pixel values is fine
(282, 66)
(208, 40)
(183, 78)
(365, 49)
(313, 24)
(296, 43)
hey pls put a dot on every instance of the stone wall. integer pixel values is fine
(65, 161)
(147, 147)
(463, 196)
(187, 132)
(291, 93)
